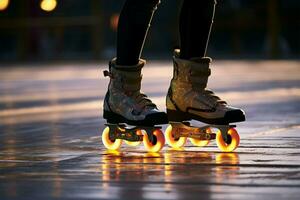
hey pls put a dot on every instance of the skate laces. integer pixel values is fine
(214, 98)
(142, 100)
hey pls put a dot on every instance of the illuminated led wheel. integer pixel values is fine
(138, 132)
(232, 144)
(171, 141)
(200, 143)
(109, 144)
(158, 142)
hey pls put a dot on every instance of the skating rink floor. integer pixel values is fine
(51, 124)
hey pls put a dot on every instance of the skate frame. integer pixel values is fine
(122, 131)
(184, 129)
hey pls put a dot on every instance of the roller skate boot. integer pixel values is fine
(130, 115)
(189, 99)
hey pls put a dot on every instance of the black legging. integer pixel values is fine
(195, 23)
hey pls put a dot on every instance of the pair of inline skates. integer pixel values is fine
(134, 118)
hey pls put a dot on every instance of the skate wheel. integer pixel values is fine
(171, 141)
(158, 143)
(111, 145)
(200, 143)
(234, 142)
(134, 144)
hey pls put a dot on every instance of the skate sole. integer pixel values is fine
(179, 116)
(150, 120)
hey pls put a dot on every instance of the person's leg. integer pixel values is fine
(188, 97)
(134, 22)
(124, 102)
(196, 18)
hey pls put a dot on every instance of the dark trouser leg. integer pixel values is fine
(196, 19)
(134, 22)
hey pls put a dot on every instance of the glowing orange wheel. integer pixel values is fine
(111, 145)
(171, 141)
(138, 132)
(234, 140)
(200, 143)
(157, 144)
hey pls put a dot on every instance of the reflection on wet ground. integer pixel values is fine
(50, 138)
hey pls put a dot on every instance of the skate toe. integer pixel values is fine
(235, 116)
(157, 118)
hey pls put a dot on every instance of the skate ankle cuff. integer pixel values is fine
(204, 60)
(128, 68)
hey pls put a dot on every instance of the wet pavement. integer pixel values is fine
(50, 128)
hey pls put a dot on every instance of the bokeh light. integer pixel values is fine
(114, 20)
(48, 5)
(3, 4)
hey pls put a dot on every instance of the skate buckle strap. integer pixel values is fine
(131, 82)
(200, 72)
(107, 73)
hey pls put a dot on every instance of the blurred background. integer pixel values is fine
(62, 30)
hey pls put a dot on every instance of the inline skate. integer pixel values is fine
(130, 115)
(189, 99)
